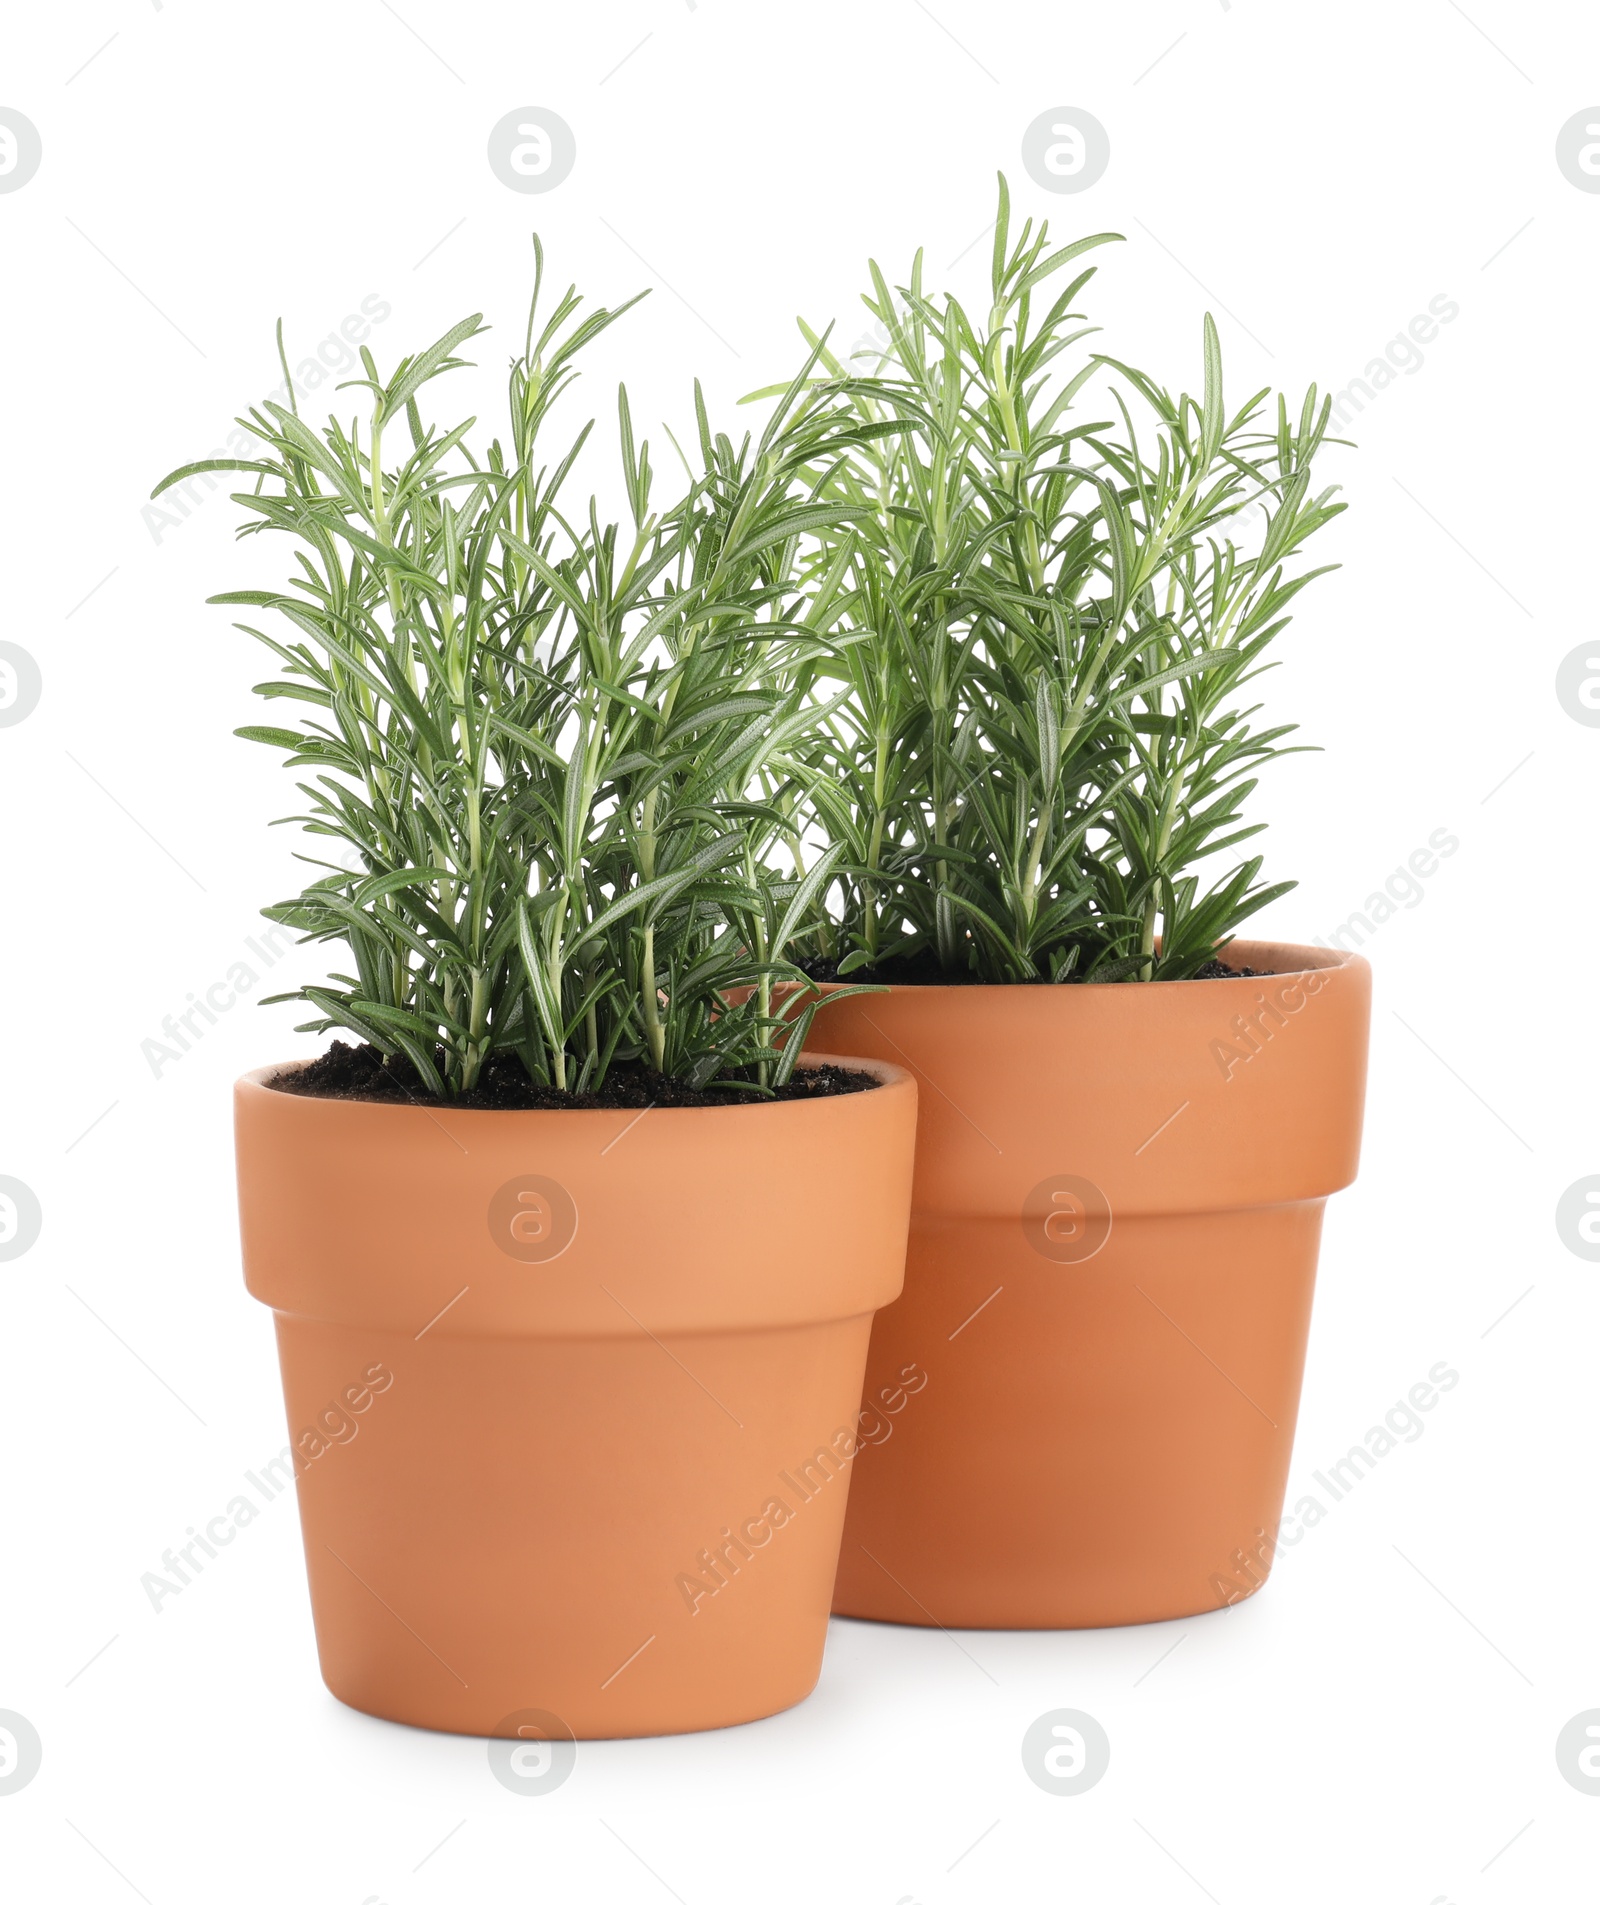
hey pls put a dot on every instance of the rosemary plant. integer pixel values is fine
(1043, 738)
(550, 740)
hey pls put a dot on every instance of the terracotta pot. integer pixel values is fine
(1118, 1201)
(573, 1395)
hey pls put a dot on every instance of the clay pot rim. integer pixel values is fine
(1307, 959)
(890, 1078)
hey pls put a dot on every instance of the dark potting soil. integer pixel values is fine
(362, 1073)
(923, 969)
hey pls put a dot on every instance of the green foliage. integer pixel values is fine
(550, 740)
(1044, 737)
(991, 651)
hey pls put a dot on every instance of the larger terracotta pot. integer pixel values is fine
(1118, 1203)
(574, 1396)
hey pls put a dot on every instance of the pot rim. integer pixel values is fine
(1306, 958)
(890, 1077)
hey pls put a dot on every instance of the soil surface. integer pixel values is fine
(923, 969)
(360, 1072)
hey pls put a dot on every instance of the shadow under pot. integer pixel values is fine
(573, 1396)
(1114, 1236)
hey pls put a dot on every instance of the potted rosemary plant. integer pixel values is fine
(1062, 580)
(571, 1259)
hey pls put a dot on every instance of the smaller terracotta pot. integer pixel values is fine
(1118, 1203)
(573, 1396)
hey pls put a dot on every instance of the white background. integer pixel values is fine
(1380, 1723)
